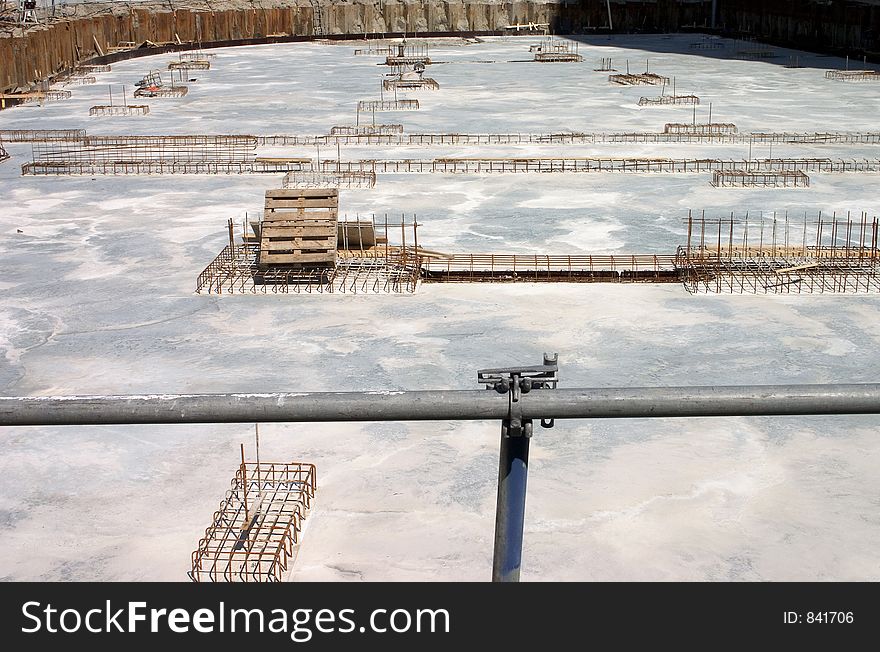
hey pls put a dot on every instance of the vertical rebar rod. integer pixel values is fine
(257, 441)
(244, 486)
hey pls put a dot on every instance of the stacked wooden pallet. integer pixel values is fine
(299, 227)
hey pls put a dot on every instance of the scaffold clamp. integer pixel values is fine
(516, 381)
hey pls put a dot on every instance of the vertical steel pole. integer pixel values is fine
(513, 462)
(513, 471)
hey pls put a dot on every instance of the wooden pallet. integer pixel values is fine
(299, 227)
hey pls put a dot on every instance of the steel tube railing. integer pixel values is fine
(510, 506)
(516, 403)
(442, 405)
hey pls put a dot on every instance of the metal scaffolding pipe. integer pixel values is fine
(442, 405)
(510, 508)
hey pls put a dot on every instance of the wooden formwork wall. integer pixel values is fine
(42, 51)
(45, 51)
(852, 27)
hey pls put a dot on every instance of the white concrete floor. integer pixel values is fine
(97, 297)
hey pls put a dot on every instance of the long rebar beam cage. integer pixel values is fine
(119, 109)
(146, 148)
(716, 133)
(514, 401)
(379, 134)
(314, 179)
(669, 99)
(78, 80)
(596, 164)
(779, 253)
(35, 135)
(534, 268)
(853, 75)
(205, 160)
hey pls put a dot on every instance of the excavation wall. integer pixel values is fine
(26, 58)
(821, 26)
(80, 33)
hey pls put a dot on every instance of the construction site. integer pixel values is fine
(371, 196)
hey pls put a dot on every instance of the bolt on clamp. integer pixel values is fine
(516, 381)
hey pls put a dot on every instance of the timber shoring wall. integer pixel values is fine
(43, 52)
(839, 27)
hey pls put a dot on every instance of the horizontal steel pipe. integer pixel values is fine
(442, 405)
(251, 408)
(713, 401)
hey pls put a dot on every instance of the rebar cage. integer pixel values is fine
(763, 254)
(853, 75)
(252, 536)
(368, 262)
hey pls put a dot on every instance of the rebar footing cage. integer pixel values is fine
(254, 533)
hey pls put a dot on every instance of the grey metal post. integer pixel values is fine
(513, 460)
(510, 509)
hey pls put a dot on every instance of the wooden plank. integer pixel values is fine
(279, 244)
(288, 250)
(281, 259)
(272, 231)
(322, 212)
(310, 237)
(294, 246)
(301, 216)
(293, 230)
(314, 228)
(321, 242)
(302, 202)
(281, 193)
(298, 245)
(329, 240)
(296, 253)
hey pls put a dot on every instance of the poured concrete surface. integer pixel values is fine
(98, 298)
